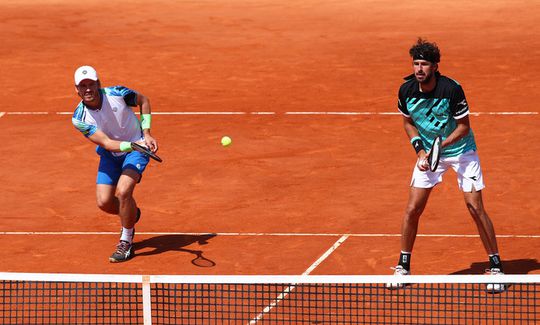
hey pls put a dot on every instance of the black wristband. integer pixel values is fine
(417, 145)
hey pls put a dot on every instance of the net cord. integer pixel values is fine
(269, 279)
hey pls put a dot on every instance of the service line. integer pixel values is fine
(261, 234)
(313, 113)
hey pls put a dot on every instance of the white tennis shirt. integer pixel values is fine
(115, 118)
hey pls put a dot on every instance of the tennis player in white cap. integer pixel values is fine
(105, 117)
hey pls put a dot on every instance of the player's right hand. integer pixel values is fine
(422, 163)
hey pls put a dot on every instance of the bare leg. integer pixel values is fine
(418, 198)
(106, 200)
(483, 222)
(118, 199)
(127, 208)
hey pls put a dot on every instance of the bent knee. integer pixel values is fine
(413, 211)
(123, 194)
(106, 205)
(476, 210)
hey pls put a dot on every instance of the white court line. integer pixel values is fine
(28, 113)
(2, 114)
(107, 233)
(275, 113)
(199, 113)
(290, 288)
(505, 113)
(326, 254)
(193, 113)
(336, 113)
(263, 113)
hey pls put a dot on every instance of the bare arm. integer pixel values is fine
(101, 139)
(463, 128)
(144, 104)
(412, 132)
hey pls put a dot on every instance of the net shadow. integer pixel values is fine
(167, 243)
(519, 266)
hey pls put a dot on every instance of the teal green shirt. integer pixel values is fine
(435, 113)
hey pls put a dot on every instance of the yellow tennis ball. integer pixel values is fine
(225, 141)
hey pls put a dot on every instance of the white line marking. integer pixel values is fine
(199, 113)
(28, 113)
(290, 288)
(505, 113)
(107, 233)
(2, 114)
(342, 113)
(326, 254)
(275, 113)
(70, 277)
(263, 113)
(397, 113)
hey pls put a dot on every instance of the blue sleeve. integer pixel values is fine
(129, 95)
(78, 121)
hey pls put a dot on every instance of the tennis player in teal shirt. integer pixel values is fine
(431, 105)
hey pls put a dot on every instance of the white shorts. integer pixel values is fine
(467, 167)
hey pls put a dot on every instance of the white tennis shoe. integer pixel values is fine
(495, 287)
(398, 271)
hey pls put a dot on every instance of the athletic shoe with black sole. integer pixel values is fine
(124, 249)
(122, 253)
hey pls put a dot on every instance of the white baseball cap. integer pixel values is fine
(85, 72)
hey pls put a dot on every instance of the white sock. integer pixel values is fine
(127, 234)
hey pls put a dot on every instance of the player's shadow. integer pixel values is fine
(521, 266)
(167, 243)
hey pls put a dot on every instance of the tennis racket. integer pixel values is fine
(146, 151)
(435, 153)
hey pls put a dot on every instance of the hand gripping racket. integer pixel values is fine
(146, 151)
(435, 153)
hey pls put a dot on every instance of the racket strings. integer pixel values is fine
(435, 154)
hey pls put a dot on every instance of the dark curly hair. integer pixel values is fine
(424, 50)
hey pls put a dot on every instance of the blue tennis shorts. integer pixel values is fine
(111, 167)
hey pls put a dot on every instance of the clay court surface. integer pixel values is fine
(291, 185)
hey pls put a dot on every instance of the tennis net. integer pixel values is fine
(29, 298)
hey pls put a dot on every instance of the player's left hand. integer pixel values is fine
(150, 142)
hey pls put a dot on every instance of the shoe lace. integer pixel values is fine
(494, 271)
(399, 270)
(123, 246)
